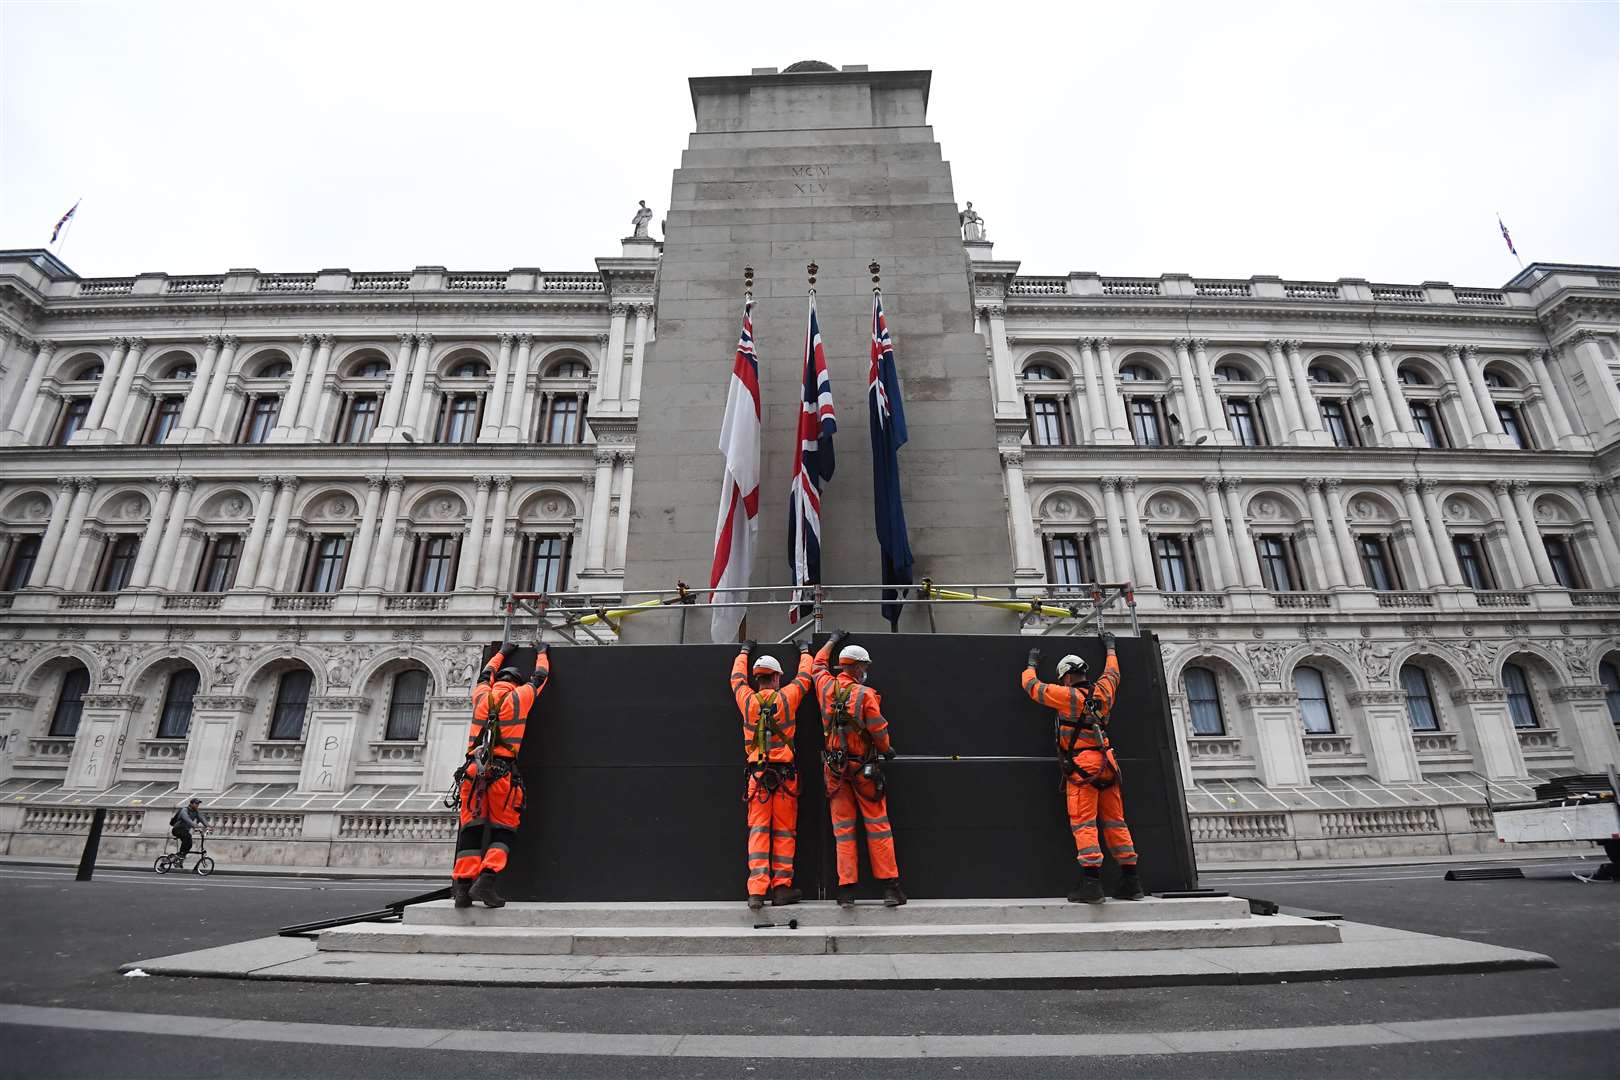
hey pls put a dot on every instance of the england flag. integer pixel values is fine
(812, 465)
(738, 527)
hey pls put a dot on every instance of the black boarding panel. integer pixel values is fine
(633, 766)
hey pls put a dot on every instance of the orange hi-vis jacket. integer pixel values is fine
(866, 729)
(764, 744)
(1074, 727)
(510, 705)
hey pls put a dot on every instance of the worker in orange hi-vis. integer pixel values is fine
(854, 733)
(490, 789)
(772, 792)
(1090, 771)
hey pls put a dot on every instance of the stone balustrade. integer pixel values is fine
(475, 282)
(106, 286)
(1222, 288)
(1537, 739)
(415, 827)
(302, 601)
(1434, 742)
(1481, 297)
(395, 752)
(1327, 745)
(1038, 286)
(1405, 599)
(1312, 290)
(1481, 819)
(1390, 822)
(51, 746)
(1302, 599)
(74, 819)
(1207, 828)
(1261, 289)
(193, 601)
(87, 601)
(285, 283)
(1398, 294)
(1594, 598)
(255, 824)
(278, 751)
(423, 279)
(416, 602)
(1193, 600)
(380, 283)
(1130, 287)
(194, 286)
(1214, 748)
(163, 751)
(1502, 599)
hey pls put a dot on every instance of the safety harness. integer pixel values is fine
(483, 766)
(836, 728)
(1068, 752)
(767, 776)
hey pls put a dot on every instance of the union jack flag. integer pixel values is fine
(63, 221)
(886, 416)
(811, 467)
(1505, 235)
(738, 527)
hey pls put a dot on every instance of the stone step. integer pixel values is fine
(813, 913)
(816, 940)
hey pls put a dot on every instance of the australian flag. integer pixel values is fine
(811, 467)
(886, 415)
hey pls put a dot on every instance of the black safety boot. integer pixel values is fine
(458, 893)
(1130, 885)
(892, 896)
(1088, 890)
(755, 902)
(484, 891)
(783, 895)
(845, 896)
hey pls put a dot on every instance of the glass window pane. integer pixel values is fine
(1419, 699)
(1172, 564)
(1204, 701)
(24, 554)
(70, 701)
(292, 698)
(1145, 422)
(1314, 707)
(545, 570)
(1609, 675)
(175, 720)
(406, 706)
(1521, 706)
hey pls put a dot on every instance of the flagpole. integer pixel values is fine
(73, 216)
(748, 306)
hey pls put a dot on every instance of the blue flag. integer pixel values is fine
(886, 415)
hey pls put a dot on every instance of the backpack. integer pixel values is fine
(174, 819)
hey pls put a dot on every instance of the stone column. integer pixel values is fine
(1599, 380)
(17, 428)
(1397, 397)
(1465, 391)
(270, 564)
(1406, 538)
(394, 401)
(622, 538)
(473, 545)
(1487, 404)
(1141, 550)
(253, 547)
(1389, 749)
(514, 428)
(1488, 727)
(1609, 573)
(1096, 406)
(1191, 396)
(1557, 416)
(495, 405)
(1113, 402)
(412, 420)
(1349, 558)
(1286, 392)
(1332, 569)
(1279, 750)
(1532, 534)
(1223, 542)
(104, 389)
(1529, 570)
(359, 561)
(214, 403)
(494, 554)
(164, 567)
(70, 550)
(146, 554)
(1379, 391)
(613, 356)
(118, 405)
(1428, 552)
(293, 402)
(378, 573)
(1242, 542)
(199, 390)
(1119, 554)
(1026, 558)
(596, 540)
(1510, 573)
(309, 411)
(1451, 570)
(1307, 400)
(53, 533)
(1002, 379)
(1213, 407)
(638, 352)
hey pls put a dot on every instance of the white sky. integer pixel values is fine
(1305, 140)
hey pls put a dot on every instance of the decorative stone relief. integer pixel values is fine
(1477, 656)
(17, 654)
(1575, 656)
(1372, 658)
(407, 635)
(70, 633)
(342, 663)
(227, 665)
(115, 661)
(1267, 657)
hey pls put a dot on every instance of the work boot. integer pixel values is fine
(484, 891)
(755, 902)
(1088, 890)
(783, 895)
(1130, 885)
(845, 896)
(458, 893)
(892, 896)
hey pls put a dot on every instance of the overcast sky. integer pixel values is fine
(1372, 140)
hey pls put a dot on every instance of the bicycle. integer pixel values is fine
(173, 860)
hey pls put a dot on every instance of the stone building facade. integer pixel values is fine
(254, 529)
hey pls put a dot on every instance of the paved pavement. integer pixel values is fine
(65, 940)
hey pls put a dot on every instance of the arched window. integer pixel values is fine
(1041, 371)
(1521, 705)
(1323, 373)
(372, 369)
(1420, 710)
(292, 699)
(70, 701)
(1314, 706)
(183, 370)
(175, 720)
(1204, 701)
(469, 369)
(88, 373)
(406, 705)
(568, 369)
(1496, 381)
(1136, 373)
(1230, 373)
(276, 369)
(1411, 376)
(1609, 676)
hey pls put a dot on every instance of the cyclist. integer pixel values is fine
(185, 819)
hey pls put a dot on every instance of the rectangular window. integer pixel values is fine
(1378, 563)
(1428, 424)
(70, 702)
(259, 419)
(543, 566)
(165, 418)
(74, 411)
(1175, 564)
(218, 570)
(1069, 560)
(360, 419)
(1245, 422)
(24, 554)
(1476, 569)
(1277, 568)
(119, 562)
(328, 554)
(1513, 425)
(1314, 707)
(175, 719)
(1419, 699)
(1147, 421)
(458, 418)
(1566, 571)
(559, 419)
(406, 706)
(1050, 422)
(1336, 419)
(436, 564)
(1204, 701)
(292, 699)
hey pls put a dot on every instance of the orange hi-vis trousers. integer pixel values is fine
(773, 839)
(853, 793)
(1092, 806)
(501, 808)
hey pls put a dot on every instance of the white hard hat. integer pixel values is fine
(767, 663)
(1071, 663)
(854, 654)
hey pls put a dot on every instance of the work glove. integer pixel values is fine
(538, 676)
(804, 647)
(1034, 657)
(888, 755)
(749, 646)
(1107, 640)
(838, 638)
(541, 648)
(506, 648)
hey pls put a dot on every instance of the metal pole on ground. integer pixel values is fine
(87, 861)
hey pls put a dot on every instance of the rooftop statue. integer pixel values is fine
(972, 224)
(642, 216)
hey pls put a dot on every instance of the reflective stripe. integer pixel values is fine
(752, 829)
(884, 820)
(1083, 825)
(841, 824)
(469, 852)
(850, 839)
(789, 833)
(761, 872)
(1091, 851)
(1112, 824)
(884, 835)
(1031, 682)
